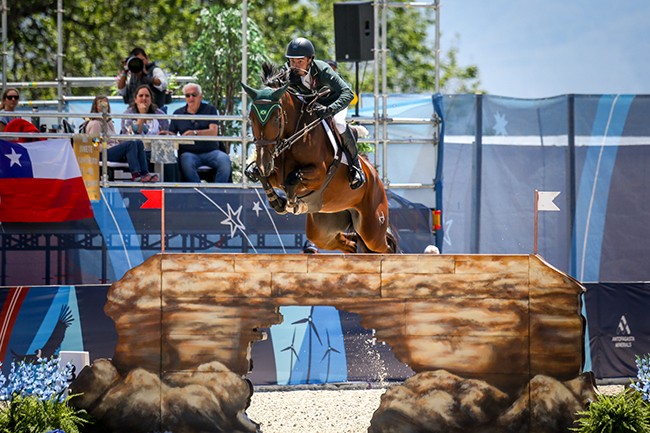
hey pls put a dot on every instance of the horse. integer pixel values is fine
(301, 171)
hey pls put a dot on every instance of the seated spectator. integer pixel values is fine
(209, 153)
(143, 104)
(131, 152)
(137, 70)
(9, 102)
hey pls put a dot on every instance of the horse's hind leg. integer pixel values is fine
(327, 231)
(371, 223)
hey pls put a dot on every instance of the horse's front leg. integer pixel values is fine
(308, 177)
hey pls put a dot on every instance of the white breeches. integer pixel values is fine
(339, 120)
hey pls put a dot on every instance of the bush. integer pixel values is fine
(622, 413)
(33, 399)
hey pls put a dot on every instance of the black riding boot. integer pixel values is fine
(355, 173)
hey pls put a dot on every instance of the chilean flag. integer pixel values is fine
(41, 182)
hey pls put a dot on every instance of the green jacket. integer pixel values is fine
(323, 76)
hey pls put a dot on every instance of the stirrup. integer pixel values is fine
(252, 172)
(356, 177)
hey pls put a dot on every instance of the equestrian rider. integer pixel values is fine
(309, 76)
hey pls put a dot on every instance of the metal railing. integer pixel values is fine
(244, 140)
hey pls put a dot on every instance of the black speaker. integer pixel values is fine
(354, 31)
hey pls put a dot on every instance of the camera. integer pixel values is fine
(135, 64)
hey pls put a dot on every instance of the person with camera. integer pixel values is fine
(137, 70)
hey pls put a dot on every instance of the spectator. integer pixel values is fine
(131, 152)
(210, 153)
(137, 70)
(333, 65)
(143, 104)
(9, 103)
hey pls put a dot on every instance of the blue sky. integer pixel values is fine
(535, 49)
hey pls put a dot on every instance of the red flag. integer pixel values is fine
(154, 198)
(41, 182)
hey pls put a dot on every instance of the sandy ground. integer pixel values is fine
(326, 410)
(323, 411)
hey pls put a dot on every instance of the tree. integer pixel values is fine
(98, 35)
(215, 58)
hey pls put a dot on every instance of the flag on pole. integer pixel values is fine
(154, 198)
(41, 182)
(545, 200)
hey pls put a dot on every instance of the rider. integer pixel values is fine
(309, 76)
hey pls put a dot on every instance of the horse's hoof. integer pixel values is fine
(294, 178)
(252, 172)
(309, 247)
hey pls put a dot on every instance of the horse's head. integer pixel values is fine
(268, 121)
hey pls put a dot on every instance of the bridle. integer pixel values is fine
(263, 108)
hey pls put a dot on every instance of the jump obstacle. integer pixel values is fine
(506, 327)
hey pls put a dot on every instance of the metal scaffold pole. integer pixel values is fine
(59, 54)
(380, 69)
(5, 53)
(244, 79)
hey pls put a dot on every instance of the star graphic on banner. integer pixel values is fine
(500, 124)
(233, 220)
(14, 157)
(257, 208)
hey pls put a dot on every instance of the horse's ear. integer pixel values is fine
(277, 94)
(249, 90)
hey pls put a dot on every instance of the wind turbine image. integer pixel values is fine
(292, 348)
(328, 354)
(312, 328)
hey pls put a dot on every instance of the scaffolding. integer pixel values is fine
(380, 119)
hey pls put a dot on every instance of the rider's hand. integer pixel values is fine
(294, 77)
(320, 110)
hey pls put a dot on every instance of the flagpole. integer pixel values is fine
(162, 222)
(535, 224)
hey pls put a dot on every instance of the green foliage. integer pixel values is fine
(29, 414)
(215, 57)
(622, 413)
(32, 398)
(98, 35)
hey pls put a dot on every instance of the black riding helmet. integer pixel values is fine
(300, 47)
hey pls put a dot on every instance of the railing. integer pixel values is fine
(244, 139)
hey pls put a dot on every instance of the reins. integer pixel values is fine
(286, 144)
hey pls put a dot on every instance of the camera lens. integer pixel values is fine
(135, 64)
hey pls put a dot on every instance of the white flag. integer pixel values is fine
(545, 200)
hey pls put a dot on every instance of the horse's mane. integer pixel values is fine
(273, 75)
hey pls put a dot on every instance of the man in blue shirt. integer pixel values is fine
(210, 153)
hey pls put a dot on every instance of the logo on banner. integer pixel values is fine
(624, 337)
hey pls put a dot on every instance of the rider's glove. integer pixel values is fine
(321, 110)
(294, 78)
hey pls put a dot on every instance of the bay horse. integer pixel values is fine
(301, 171)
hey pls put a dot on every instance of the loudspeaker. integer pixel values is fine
(354, 31)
